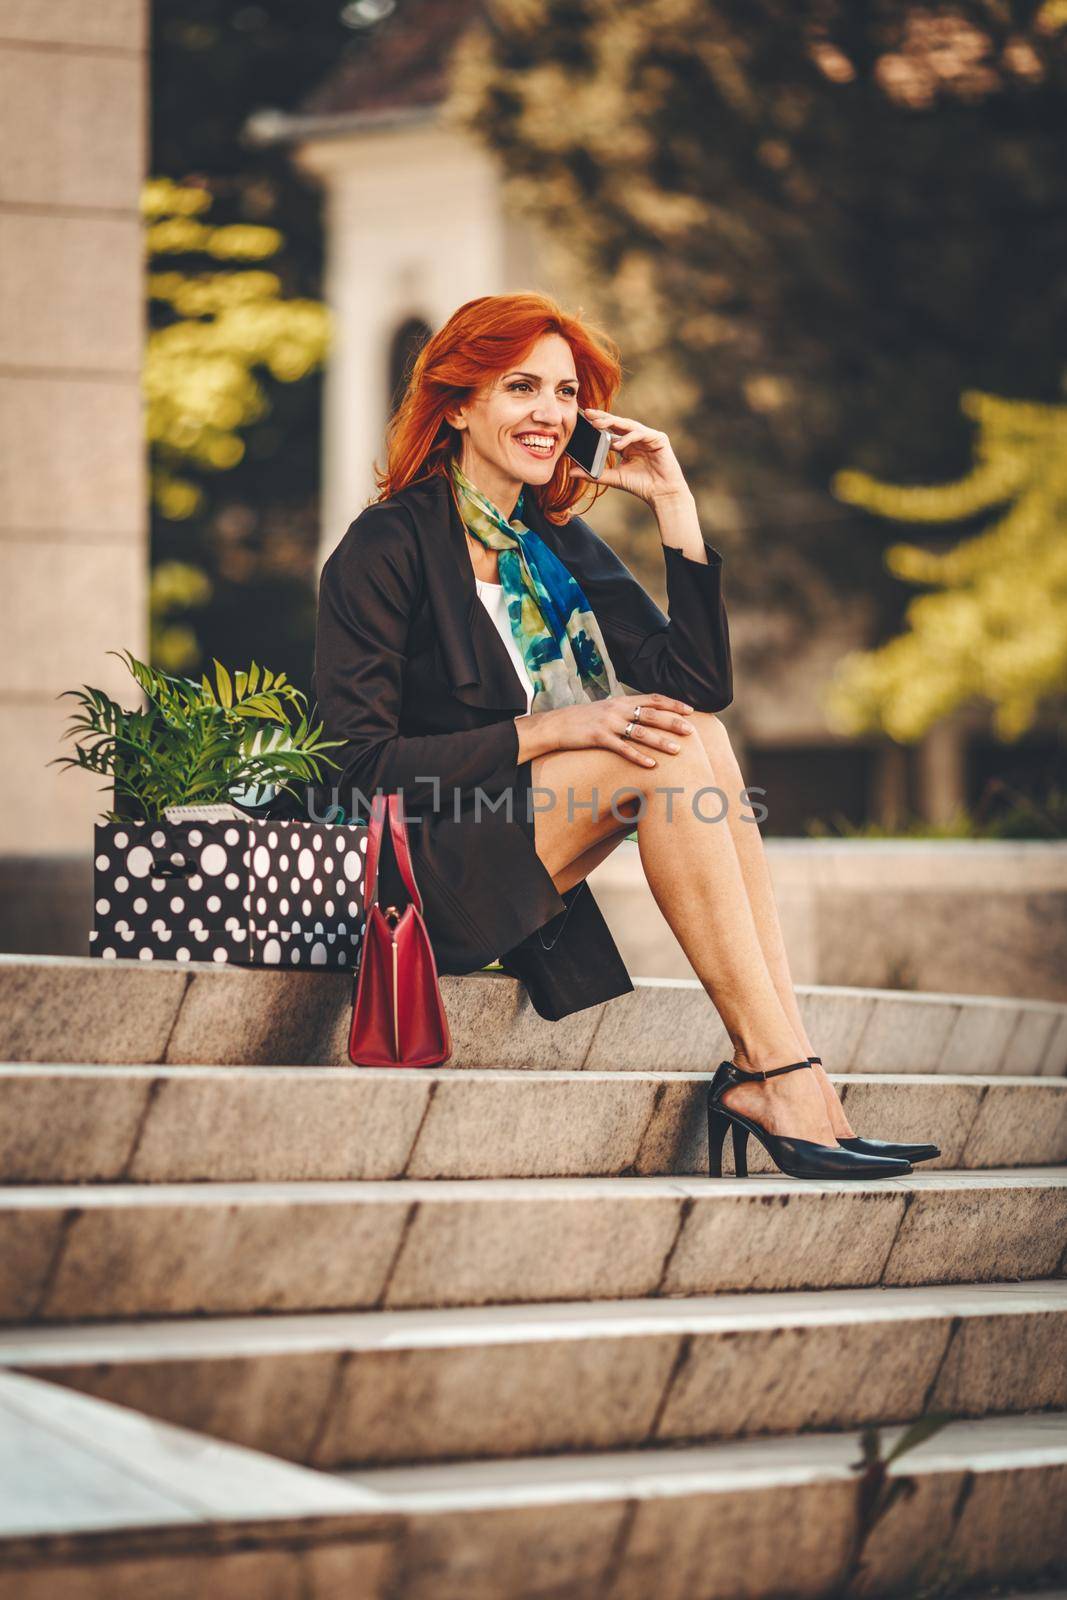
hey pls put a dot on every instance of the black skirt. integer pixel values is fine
(486, 894)
(484, 888)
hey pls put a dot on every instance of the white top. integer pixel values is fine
(492, 597)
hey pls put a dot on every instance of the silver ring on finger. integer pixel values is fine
(637, 713)
(628, 730)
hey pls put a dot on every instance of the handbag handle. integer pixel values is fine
(381, 806)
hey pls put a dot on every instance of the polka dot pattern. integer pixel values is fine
(226, 896)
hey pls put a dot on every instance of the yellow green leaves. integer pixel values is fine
(994, 625)
(202, 368)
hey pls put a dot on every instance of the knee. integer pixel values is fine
(714, 739)
(690, 764)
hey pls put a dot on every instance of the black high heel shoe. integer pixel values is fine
(797, 1158)
(884, 1147)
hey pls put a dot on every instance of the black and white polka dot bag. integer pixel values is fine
(250, 892)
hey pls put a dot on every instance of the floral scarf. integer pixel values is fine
(554, 627)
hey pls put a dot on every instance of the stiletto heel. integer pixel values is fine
(717, 1126)
(884, 1147)
(798, 1158)
(740, 1151)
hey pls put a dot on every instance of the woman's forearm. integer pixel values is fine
(538, 734)
(679, 525)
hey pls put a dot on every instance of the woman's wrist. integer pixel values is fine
(537, 733)
(679, 523)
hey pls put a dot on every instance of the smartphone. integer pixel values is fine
(589, 446)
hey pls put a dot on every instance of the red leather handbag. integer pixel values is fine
(398, 1016)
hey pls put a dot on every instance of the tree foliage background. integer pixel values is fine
(233, 575)
(815, 223)
(814, 226)
(994, 620)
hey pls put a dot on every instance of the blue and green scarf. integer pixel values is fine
(553, 624)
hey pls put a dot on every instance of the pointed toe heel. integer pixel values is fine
(885, 1147)
(797, 1158)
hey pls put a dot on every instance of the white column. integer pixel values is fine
(414, 227)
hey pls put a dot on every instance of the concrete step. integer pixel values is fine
(70, 1253)
(98, 1503)
(692, 1524)
(381, 1387)
(63, 1009)
(148, 1124)
(106, 1505)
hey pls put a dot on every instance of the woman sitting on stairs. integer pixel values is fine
(478, 639)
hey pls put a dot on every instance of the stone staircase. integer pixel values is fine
(490, 1331)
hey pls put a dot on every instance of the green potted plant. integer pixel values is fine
(195, 743)
(227, 885)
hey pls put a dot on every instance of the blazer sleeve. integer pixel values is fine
(367, 591)
(686, 654)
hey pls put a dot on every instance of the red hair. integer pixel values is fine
(484, 338)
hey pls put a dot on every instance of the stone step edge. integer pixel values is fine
(91, 964)
(195, 1473)
(123, 1251)
(83, 1197)
(991, 1444)
(391, 1190)
(191, 1071)
(186, 1339)
(85, 1124)
(215, 1013)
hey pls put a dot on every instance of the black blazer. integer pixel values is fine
(412, 675)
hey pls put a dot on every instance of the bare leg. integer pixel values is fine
(748, 841)
(693, 871)
(591, 857)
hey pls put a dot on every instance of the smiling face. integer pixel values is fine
(515, 429)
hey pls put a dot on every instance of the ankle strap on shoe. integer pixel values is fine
(813, 1060)
(736, 1074)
